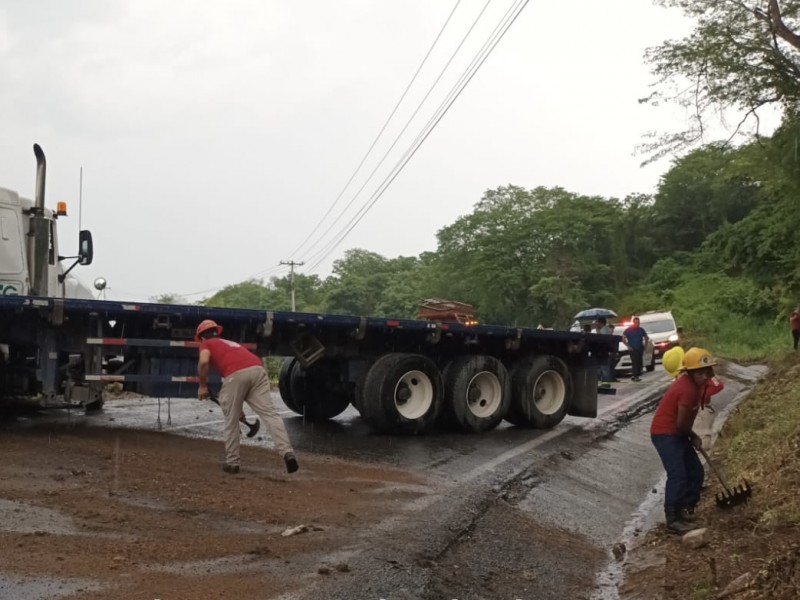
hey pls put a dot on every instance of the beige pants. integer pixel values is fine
(252, 386)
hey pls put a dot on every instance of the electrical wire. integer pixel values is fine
(380, 133)
(486, 50)
(358, 168)
(399, 135)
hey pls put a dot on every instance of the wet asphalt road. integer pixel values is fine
(446, 455)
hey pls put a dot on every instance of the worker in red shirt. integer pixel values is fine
(244, 379)
(674, 440)
(794, 323)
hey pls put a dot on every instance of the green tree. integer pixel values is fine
(738, 57)
(169, 298)
(519, 249)
(247, 294)
(702, 191)
(366, 283)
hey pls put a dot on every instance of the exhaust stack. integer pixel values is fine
(39, 232)
(41, 173)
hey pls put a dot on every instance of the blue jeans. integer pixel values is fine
(684, 471)
(603, 367)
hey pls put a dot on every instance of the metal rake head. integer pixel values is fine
(735, 496)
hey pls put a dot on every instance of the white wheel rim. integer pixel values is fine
(484, 394)
(413, 395)
(549, 392)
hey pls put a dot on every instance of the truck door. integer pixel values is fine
(13, 268)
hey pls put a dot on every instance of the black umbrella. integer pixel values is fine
(593, 313)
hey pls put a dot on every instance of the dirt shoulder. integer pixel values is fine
(98, 513)
(751, 551)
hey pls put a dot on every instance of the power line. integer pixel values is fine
(511, 16)
(380, 133)
(405, 127)
(358, 168)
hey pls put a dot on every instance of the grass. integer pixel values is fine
(761, 441)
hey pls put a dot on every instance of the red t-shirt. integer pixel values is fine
(228, 357)
(682, 392)
(794, 320)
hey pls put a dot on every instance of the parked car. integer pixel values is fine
(661, 328)
(623, 364)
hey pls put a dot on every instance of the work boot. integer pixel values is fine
(687, 515)
(677, 525)
(233, 469)
(291, 462)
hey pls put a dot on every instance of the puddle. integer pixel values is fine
(635, 530)
(42, 588)
(16, 517)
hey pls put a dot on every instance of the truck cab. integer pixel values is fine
(30, 263)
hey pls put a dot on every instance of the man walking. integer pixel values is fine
(675, 441)
(244, 379)
(635, 338)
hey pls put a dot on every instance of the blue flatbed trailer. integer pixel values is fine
(403, 375)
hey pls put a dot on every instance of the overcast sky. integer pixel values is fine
(214, 136)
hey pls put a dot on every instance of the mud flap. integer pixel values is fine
(584, 389)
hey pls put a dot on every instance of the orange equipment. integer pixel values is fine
(435, 309)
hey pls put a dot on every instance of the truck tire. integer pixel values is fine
(316, 392)
(284, 383)
(94, 406)
(477, 393)
(358, 390)
(541, 389)
(402, 394)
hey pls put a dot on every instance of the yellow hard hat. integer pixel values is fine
(698, 358)
(672, 361)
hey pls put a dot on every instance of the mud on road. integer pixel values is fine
(93, 513)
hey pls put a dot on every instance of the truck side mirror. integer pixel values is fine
(85, 247)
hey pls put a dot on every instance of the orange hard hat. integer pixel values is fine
(205, 326)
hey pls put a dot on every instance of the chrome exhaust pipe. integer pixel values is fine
(41, 173)
(39, 232)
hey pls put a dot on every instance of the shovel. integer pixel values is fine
(731, 496)
(251, 427)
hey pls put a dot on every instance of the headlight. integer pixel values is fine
(673, 337)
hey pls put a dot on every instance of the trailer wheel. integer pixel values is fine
(358, 389)
(316, 392)
(284, 383)
(402, 394)
(541, 389)
(477, 393)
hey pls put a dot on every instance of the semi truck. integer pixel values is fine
(404, 376)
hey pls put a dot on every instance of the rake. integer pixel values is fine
(731, 496)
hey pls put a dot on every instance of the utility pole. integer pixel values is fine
(292, 265)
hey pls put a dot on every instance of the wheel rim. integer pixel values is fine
(484, 394)
(413, 395)
(549, 392)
